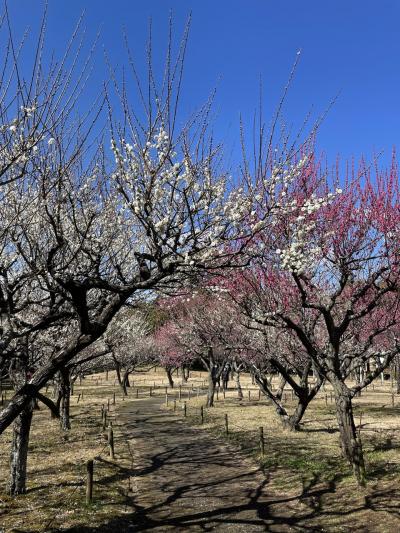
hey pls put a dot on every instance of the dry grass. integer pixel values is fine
(55, 497)
(305, 467)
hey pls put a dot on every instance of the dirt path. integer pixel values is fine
(186, 480)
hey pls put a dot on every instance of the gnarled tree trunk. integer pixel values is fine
(19, 451)
(351, 445)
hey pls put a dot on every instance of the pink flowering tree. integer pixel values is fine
(331, 279)
(171, 352)
(205, 326)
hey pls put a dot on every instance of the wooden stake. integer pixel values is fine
(89, 481)
(262, 442)
(111, 441)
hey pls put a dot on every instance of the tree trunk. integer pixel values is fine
(281, 386)
(65, 385)
(212, 382)
(293, 422)
(397, 378)
(19, 451)
(168, 370)
(125, 383)
(351, 446)
(118, 373)
(185, 374)
(238, 386)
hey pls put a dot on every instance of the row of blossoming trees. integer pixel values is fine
(319, 295)
(275, 269)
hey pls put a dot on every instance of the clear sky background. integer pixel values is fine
(348, 46)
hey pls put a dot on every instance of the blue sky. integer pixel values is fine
(351, 47)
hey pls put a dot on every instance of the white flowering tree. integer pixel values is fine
(128, 343)
(82, 236)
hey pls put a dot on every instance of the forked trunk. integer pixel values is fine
(185, 374)
(351, 445)
(19, 451)
(125, 383)
(293, 422)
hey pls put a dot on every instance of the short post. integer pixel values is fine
(79, 397)
(202, 414)
(226, 424)
(111, 441)
(82, 395)
(259, 395)
(113, 398)
(150, 392)
(166, 390)
(106, 375)
(137, 393)
(262, 442)
(108, 404)
(89, 481)
(392, 399)
(188, 394)
(184, 409)
(166, 399)
(180, 392)
(105, 419)
(249, 395)
(174, 406)
(326, 399)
